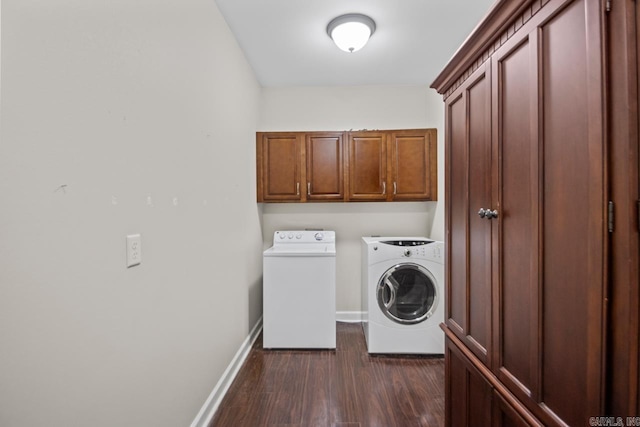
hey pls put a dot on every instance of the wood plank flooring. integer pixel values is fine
(342, 388)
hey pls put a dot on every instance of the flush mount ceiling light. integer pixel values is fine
(351, 32)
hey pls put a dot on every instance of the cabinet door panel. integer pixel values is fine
(478, 95)
(516, 255)
(324, 166)
(456, 396)
(504, 415)
(468, 396)
(469, 179)
(413, 165)
(367, 166)
(456, 208)
(281, 167)
(573, 212)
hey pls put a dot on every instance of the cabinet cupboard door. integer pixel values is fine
(516, 269)
(504, 415)
(468, 394)
(325, 173)
(412, 165)
(279, 166)
(468, 189)
(549, 260)
(367, 166)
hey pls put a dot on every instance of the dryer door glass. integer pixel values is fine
(407, 293)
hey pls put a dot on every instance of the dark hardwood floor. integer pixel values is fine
(342, 388)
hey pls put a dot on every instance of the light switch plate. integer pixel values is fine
(134, 250)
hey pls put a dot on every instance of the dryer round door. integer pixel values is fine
(407, 293)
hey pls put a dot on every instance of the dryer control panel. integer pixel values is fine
(418, 248)
(409, 248)
(406, 242)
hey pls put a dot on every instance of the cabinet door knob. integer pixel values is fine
(488, 213)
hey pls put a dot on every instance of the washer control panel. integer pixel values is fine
(303, 236)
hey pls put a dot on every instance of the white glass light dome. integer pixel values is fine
(351, 32)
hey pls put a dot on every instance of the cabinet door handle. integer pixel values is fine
(395, 188)
(297, 188)
(482, 212)
(384, 187)
(308, 188)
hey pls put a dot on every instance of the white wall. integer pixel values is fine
(104, 104)
(344, 108)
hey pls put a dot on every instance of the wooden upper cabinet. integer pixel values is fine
(368, 166)
(278, 162)
(324, 166)
(346, 166)
(412, 164)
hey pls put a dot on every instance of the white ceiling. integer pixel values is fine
(286, 43)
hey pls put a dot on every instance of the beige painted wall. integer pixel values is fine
(105, 104)
(344, 108)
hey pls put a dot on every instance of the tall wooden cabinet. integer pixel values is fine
(531, 187)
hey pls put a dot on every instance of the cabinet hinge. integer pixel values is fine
(608, 6)
(610, 217)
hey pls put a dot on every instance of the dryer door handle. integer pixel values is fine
(392, 293)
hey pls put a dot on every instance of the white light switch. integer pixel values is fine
(134, 250)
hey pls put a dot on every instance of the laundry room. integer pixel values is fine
(135, 219)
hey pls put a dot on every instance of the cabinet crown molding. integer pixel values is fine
(503, 19)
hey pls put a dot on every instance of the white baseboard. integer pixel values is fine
(209, 408)
(349, 316)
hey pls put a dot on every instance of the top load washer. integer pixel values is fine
(403, 294)
(299, 290)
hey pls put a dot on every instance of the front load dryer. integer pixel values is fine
(403, 295)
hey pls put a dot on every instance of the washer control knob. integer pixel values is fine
(319, 236)
(407, 252)
(298, 236)
(282, 235)
(290, 235)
